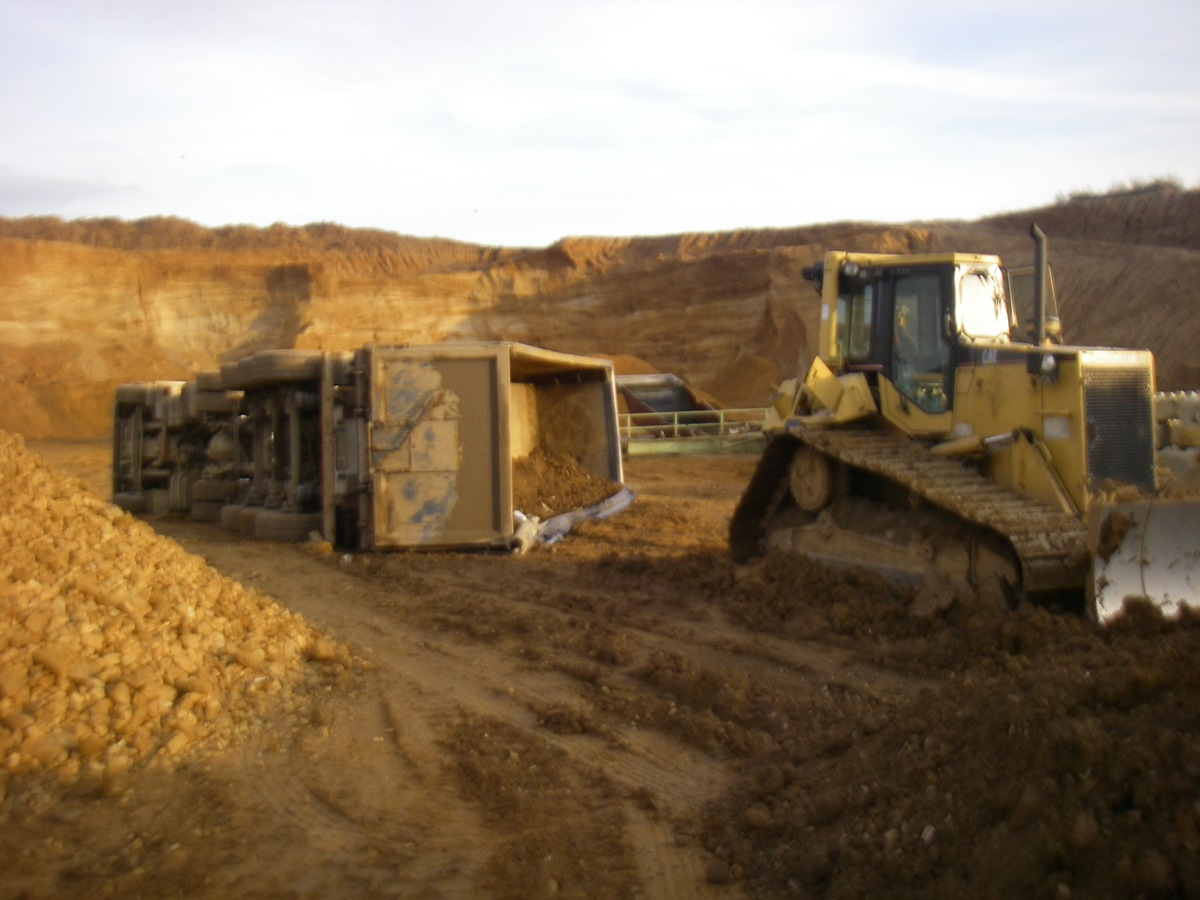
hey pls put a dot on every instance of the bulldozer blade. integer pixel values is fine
(1145, 551)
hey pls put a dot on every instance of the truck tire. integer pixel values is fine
(214, 403)
(229, 375)
(137, 394)
(231, 516)
(285, 527)
(278, 367)
(210, 381)
(131, 502)
(211, 490)
(206, 510)
(246, 519)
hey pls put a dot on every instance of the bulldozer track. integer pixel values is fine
(1051, 545)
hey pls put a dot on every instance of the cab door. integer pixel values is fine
(917, 395)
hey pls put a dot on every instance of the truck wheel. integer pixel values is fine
(209, 490)
(231, 516)
(228, 374)
(246, 519)
(131, 502)
(277, 366)
(215, 403)
(209, 381)
(136, 394)
(207, 510)
(285, 527)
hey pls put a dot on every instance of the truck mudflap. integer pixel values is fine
(530, 531)
(1146, 551)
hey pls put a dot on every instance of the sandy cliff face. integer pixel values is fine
(88, 306)
(78, 320)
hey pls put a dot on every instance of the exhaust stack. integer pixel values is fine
(1039, 285)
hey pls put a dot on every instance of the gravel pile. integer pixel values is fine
(118, 647)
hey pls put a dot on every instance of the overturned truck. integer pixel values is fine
(489, 445)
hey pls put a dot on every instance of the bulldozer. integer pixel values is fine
(945, 435)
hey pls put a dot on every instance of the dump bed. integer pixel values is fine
(450, 424)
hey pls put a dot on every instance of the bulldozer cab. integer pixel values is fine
(899, 320)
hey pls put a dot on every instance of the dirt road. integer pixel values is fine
(629, 714)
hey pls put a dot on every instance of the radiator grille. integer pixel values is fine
(1117, 402)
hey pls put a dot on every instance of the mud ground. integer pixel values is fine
(629, 714)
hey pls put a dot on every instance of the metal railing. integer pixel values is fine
(713, 427)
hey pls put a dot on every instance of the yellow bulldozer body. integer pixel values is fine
(929, 346)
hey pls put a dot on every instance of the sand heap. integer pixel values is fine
(545, 484)
(117, 646)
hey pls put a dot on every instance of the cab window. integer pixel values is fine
(983, 312)
(1020, 294)
(854, 318)
(920, 357)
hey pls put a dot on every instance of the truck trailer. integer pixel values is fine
(381, 448)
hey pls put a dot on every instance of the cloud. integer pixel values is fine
(523, 121)
(26, 193)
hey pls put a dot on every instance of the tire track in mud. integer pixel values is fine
(667, 870)
(786, 665)
(479, 661)
(423, 684)
(636, 759)
(481, 642)
(473, 678)
(391, 812)
(641, 769)
(644, 767)
(555, 591)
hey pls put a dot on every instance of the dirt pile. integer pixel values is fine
(545, 484)
(117, 647)
(1040, 757)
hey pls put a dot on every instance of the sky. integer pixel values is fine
(519, 122)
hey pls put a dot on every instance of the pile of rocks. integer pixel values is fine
(117, 646)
